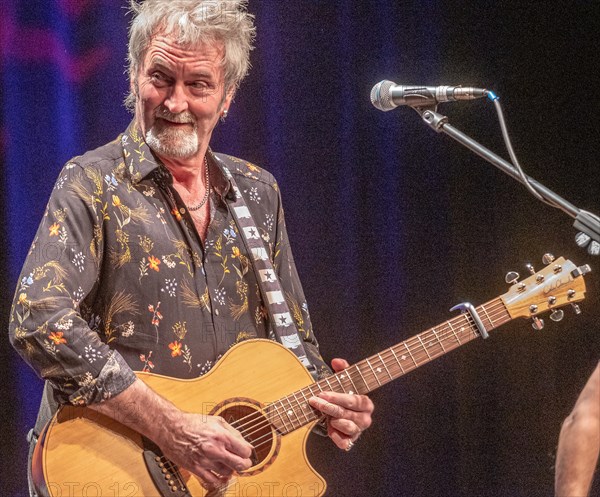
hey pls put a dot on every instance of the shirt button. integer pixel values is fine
(182, 210)
(216, 312)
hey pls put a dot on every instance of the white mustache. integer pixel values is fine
(181, 118)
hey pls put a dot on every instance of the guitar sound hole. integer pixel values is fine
(254, 427)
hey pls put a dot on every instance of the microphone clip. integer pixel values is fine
(430, 115)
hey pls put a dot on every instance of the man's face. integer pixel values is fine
(180, 96)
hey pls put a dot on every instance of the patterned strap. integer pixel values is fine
(283, 328)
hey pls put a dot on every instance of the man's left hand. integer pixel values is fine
(347, 415)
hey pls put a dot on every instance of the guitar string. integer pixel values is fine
(266, 439)
(172, 468)
(433, 335)
(263, 423)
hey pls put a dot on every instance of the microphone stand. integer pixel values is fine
(585, 222)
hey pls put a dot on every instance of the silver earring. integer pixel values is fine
(224, 115)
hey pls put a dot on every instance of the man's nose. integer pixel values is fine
(176, 101)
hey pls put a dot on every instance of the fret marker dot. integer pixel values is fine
(462, 329)
(351, 392)
(290, 413)
(378, 370)
(342, 377)
(403, 357)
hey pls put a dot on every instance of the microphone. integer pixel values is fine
(387, 95)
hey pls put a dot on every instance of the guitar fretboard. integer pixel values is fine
(293, 411)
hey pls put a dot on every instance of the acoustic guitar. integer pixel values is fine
(262, 389)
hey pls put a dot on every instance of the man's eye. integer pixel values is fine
(158, 78)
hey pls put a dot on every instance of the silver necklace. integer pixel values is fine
(194, 208)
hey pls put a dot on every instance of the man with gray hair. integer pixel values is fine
(152, 267)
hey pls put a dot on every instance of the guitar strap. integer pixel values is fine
(283, 328)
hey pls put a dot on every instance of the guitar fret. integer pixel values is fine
(316, 385)
(291, 411)
(424, 346)
(328, 384)
(351, 381)
(374, 373)
(397, 360)
(410, 354)
(300, 406)
(283, 422)
(454, 333)
(339, 380)
(310, 411)
(435, 333)
(471, 325)
(385, 366)
(487, 315)
(362, 378)
(301, 392)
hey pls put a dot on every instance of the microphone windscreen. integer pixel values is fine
(381, 96)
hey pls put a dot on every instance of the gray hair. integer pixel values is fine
(193, 22)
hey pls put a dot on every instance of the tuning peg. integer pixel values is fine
(557, 315)
(538, 324)
(512, 277)
(582, 239)
(548, 259)
(576, 308)
(530, 268)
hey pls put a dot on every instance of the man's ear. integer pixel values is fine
(229, 98)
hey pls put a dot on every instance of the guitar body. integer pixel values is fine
(83, 453)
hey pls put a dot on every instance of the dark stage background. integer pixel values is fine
(391, 224)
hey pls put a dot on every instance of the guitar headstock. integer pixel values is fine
(560, 283)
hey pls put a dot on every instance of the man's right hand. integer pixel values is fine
(204, 445)
(207, 446)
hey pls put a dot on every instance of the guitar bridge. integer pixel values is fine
(163, 472)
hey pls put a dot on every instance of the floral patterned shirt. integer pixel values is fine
(117, 279)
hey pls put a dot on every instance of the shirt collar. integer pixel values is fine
(139, 159)
(140, 162)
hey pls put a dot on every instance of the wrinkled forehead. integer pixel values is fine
(175, 47)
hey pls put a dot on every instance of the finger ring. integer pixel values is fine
(350, 445)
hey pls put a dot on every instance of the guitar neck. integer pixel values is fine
(292, 412)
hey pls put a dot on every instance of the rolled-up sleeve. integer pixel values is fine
(60, 274)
